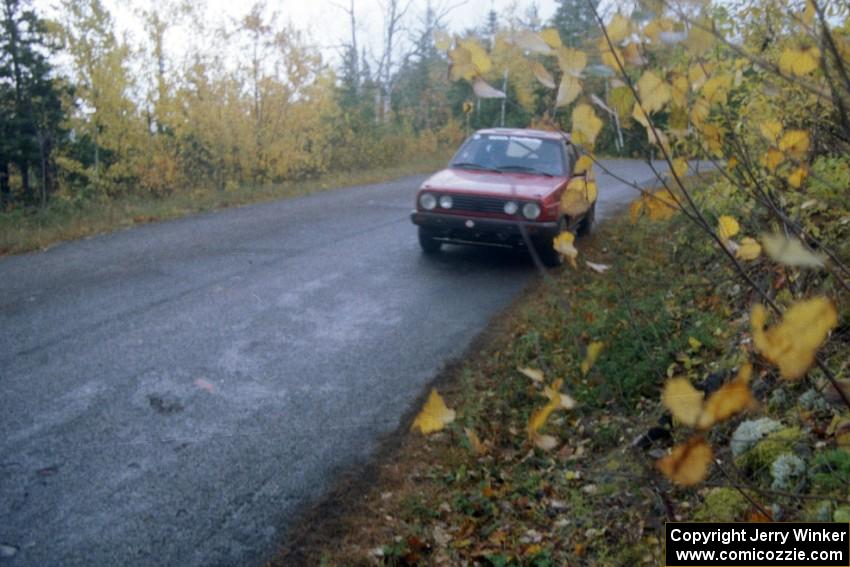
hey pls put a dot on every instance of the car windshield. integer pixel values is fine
(504, 153)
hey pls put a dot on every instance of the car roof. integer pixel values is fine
(530, 132)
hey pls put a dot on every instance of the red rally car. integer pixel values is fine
(502, 179)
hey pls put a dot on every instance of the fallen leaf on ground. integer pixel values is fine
(533, 373)
(688, 463)
(594, 349)
(434, 414)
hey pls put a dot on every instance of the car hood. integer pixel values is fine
(486, 182)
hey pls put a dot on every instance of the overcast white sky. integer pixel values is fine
(327, 24)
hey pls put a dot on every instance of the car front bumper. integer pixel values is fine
(481, 230)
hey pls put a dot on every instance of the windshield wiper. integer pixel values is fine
(527, 168)
(471, 165)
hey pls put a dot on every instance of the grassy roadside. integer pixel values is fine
(24, 230)
(668, 305)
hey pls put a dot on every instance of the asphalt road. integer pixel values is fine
(172, 394)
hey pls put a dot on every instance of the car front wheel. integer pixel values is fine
(586, 224)
(428, 243)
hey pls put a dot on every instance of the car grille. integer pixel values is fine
(478, 204)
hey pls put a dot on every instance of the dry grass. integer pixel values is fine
(24, 230)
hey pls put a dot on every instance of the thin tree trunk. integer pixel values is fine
(5, 190)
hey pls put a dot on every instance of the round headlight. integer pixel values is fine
(427, 201)
(531, 210)
(511, 208)
(446, 202)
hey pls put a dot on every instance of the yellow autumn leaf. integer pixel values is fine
(688, 406)
(594, 349)
(551, 37)
(771, 129)
(716, 88)
(654, 28)
(679, 90)
(727, 227)
(772, 159)
(478, 55)
(795, 143)
(639, 115)
(658, 137)
(461, 66)
(792, 344)
(564, 245)
(749, 249)
(808, 15)
(633, 56)
(442, 40)
(571, 61)
(698, 74)
(434, 415)
(543, 75)
(680, 167)
(699, 39)
(699, 112)
(622, 100)
(575, 199)
(475, 442)
(583, 165)
(712, 138)
(544, 442)
(799, 62)
(568, 90)
(534, 374)
(683, 400)
(790, 251)
(586, 125)
(688, 463)
(798, 176)
(618, 29)
(730, 399)
(482, 89)
(530, 41)
(661, 205)
(557, 400)
(613, 58)
(654, 93)
(539, 418)
(561, 400)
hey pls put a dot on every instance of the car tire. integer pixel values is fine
(585, 226)
(428, 243)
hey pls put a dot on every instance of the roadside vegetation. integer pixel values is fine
(25, 229)
(690, 363)
(99, 128)
(480, 490)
